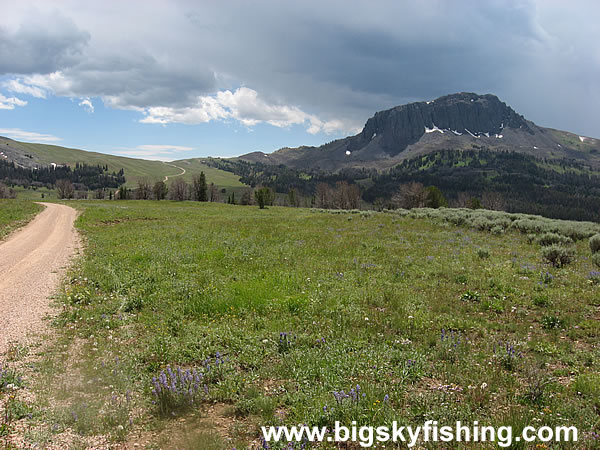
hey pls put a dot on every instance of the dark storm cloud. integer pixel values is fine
(314, 60)
(42, 44)
(358, 57)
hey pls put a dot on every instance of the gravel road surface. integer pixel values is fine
(32, 262)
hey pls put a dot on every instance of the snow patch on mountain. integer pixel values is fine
(431, 130)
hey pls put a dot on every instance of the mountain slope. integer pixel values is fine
(34, 155)
(458, 121)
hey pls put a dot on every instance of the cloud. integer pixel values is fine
(10, 102)
(245, 106)
(42, 43)
(17, 86)
(327, 65)
(30, 136)
(164, 148)
(157, 152)
(87, 104)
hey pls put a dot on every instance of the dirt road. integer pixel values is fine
(172, 176)
(32, 262)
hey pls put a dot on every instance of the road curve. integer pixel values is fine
(32, 262)
(178, 175)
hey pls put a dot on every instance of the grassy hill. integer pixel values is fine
(42, 154)
(213, 175)
(282, 309)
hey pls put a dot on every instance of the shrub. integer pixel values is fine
(596, 258)
(595, 243)
(547, 239)
(483, 253)
(64, 189)
(482, 224)
(6, 192)
(497, 229)
(558, 255)
(264, 197)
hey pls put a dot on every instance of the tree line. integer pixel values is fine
(503, 180)
(508, 181)
(83, 176)
(478, 178)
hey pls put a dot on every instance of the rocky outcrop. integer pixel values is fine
(463, 113)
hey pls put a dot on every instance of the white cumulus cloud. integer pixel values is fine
(87, 104)
(22, 135)
(20, 88)
(164, 148)
(10, 102)
(157, 152)
(244, 105)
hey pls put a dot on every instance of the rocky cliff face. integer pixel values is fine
(463, 113)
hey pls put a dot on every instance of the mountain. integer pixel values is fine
(462, 121)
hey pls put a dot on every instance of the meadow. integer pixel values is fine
(15, 213)
(279, 314)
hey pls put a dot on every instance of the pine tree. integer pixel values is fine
(202, 188)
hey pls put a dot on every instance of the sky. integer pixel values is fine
(175, 79)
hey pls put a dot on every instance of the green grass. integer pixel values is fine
(15, 213)
(38, 194)
(363, 298)
(572, 140)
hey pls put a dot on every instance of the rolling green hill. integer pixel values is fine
(213, 175)
(32, 155)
